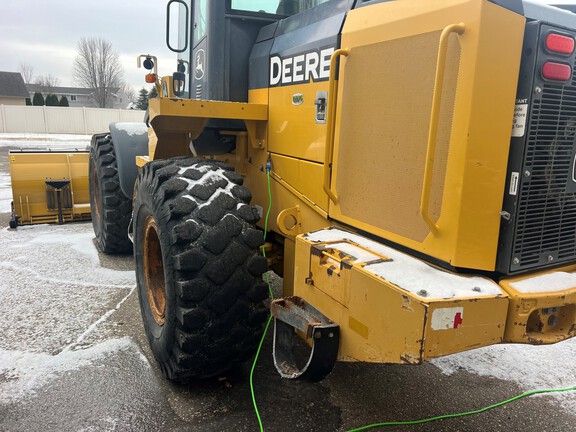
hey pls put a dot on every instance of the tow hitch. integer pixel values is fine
(294, 313)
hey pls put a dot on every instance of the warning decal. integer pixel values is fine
(519, 122)
(447, 318)
(514, 183)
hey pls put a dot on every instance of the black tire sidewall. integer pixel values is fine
(95, 211)
(109, 207)
(160, 337)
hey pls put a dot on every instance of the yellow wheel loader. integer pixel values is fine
(408, 168)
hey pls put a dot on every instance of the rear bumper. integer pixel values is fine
(542, 308)
(394, 308)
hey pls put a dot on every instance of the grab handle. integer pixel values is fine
(434, 120)
(330, 121)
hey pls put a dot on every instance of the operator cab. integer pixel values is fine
(227, 48)
(218, 37)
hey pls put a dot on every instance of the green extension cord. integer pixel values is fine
(268, 168)
(374, 425)
(463, 414)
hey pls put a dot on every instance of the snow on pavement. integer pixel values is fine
(53, 285)
(55, 289)
(5, 193)
(22, 373)
(43, 141)
(530, 367)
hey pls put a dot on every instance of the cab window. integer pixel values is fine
(277, 7)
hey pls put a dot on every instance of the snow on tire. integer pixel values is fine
(110, 208)
(198, 271)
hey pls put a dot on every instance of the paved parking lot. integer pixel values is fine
(73, 357)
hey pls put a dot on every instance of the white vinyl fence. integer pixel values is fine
(62, 120)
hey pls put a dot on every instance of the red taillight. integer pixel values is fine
(559, 43)
(556, 71)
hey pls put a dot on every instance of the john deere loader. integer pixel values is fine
(407, 166)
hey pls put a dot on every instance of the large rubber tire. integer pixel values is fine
(111, 210)
(198, 271)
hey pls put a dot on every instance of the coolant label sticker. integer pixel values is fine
(447, 318)
(513, 190)
(519, 122)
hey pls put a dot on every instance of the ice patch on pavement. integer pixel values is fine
(54, 287)
(530, 367)
(23, 373)
(50, 245)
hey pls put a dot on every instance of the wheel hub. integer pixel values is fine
(154, 271)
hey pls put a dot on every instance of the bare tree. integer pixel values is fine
(130, 93)
(47, 83)
(27, 72)
(98, 68)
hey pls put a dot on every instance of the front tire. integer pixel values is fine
(110, 208)
(198, 271)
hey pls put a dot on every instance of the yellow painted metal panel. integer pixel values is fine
(177, 121)
(542, 306)
(483, 323)
(304, 176)
(207, 109)
(258, 96)
(381, 128)
(383, 320)
(293, 130)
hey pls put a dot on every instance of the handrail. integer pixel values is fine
(330, 121)
(434, 120)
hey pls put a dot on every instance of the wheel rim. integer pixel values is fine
(154, 271)
(96, 190)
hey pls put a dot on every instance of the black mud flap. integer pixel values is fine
(292, 313)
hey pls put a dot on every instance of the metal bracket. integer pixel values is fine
(295, 313)
(14, 219)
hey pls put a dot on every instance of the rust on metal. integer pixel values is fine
(154, 271)
(296, 312)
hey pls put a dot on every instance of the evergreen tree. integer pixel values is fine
(153, 93)
(64, 101)
(38, 99)
(52, 100)
(142, 102)
(28, 101)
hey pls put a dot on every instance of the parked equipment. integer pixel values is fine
(412, 163)
(49, 186)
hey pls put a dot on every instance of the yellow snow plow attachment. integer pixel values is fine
(49, 186)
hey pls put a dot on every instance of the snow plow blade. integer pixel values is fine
(34, 175)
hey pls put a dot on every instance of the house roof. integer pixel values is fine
(12, 85)
(32, 88)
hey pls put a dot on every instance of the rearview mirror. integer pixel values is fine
(177, 37)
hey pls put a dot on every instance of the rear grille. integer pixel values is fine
(198, 91)
(546, 217)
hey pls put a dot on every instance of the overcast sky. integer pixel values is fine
(45, 33)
